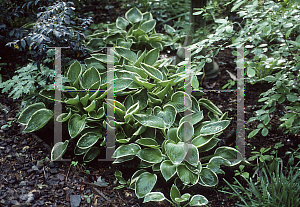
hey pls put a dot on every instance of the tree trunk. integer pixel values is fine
(211, 69)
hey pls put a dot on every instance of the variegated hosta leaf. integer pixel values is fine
(122, 23)
(89, 77)
(185, 131)
(229, 153)
(167, 169)
(64, 116)
(72, 101)
(186, 176)
(150, 155)
(151, 56)
(149, 120)
(29, 111)
(76, 124)
(134, 15)
(185, 197)
(181, 101)
(154, 196)
(127, 54)
(210, 145)
(145, 184)
(172, 135)
(59, 150)
(168, 114)
(74, 72)
(147, 142)
(123, 159)
(148, 25)
(194, 117)
(210, 106)
(38, 119)
(152, 72)
(88, 140)
(134, 109)
(126, 150)
(192, 155)
(208, 177)
(91, 154)
(97, 115)
(200, 141)
(176, 152)
(215, 162)
(198, 200)
(214, 127)
(94, 62)
(174, 193)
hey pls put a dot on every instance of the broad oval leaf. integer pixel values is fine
(38, 119)
(176, 152)
(151, 56)
(74, 72)
(89, 78)
(198, 200)
(145, 184)
(64, 117)
(88, 140)
(91, 154)
(29, 111)
(76, 124)
(185, 131)
(134, 15)
(154, 196)
(181, 101)
(229, 153)
(168, 114)
(79, 151)
(126, 150)
(152, 72)
(167, 169)
(127, 54)
(148, 25)
(214, 128)
(121, 23)
(150, 155)
(147, 142)
(208, 177)
(210, 106)
(59, 150)
(192, 155)
(186, 176)
(174, 193)
(149, 120)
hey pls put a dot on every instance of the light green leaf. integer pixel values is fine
(29, 111)
(151, 56)
(148, 25)
(88, 140)
(91, 154)
(38, 119)
(149, 120)
(150, 155)
(134, 15)
(168, 114)
(145, 184)
(208, 177)
(198, 200)
(167, 169)
(125, 150)
(122, 23)
(154, 196)
(214, 128)
(127, 54)
(152, 72)
(176, 152)
(185, 131)
(76, 124)
(148, 142)
(59, 150)
(174, 193)
(186, 176)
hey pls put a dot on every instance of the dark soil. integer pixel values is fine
(28, 178)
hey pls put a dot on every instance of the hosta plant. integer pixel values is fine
(136, 31)
(149, 122)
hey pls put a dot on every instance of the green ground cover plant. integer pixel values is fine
(149, 124)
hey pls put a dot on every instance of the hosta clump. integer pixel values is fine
(136, 31)
(149, 122)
